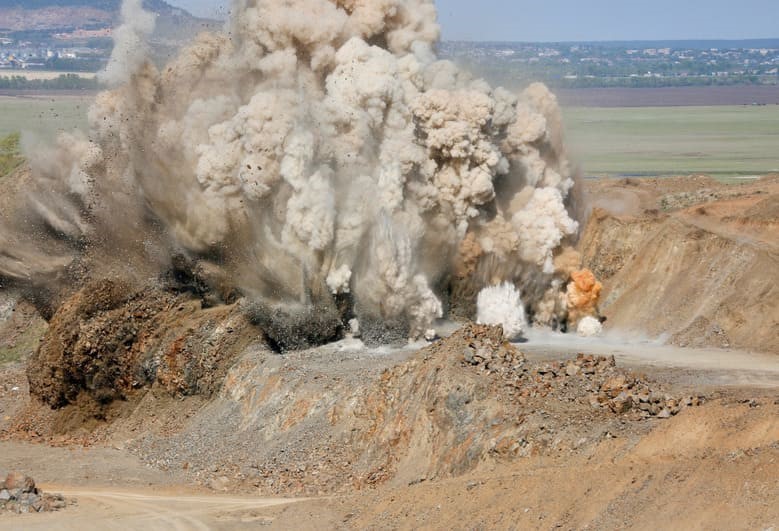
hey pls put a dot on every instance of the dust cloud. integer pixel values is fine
(316, 158)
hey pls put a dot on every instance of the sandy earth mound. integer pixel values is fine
(311, 422)
(688, 259)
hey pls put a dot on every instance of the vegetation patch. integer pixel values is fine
(10, 154)
(67, 81)
(24, 344)
(720, 141)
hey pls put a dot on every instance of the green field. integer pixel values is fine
(721, 141)
(42, 117)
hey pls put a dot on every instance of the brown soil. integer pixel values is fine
(688, 259)
(149, 408)
(684, 472)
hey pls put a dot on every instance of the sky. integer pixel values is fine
(588, 20)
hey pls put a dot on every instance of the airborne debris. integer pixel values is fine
(329, 163)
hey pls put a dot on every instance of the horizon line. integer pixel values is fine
(595, 41)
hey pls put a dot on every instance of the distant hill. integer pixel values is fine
(59, 16)
(112, 6)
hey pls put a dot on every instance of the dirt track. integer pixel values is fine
(698, 366)
(107, 509)
(669, 475)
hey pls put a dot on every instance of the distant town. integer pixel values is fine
(563, 65)
(623, 64)
(21, 55)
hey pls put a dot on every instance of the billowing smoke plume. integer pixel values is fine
(502, 305)
(317, 158)
(589, 327)
(130, 44)
(582, 295)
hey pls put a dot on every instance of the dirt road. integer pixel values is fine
(121, 510)
(693, 366)
(116, 491)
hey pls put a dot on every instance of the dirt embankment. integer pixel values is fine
(550, 461)
(115, 365)
(465, 432)
(688, 259)
(109, 345)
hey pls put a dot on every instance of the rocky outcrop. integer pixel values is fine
(703, 276)
(18, 494)
(109, 341)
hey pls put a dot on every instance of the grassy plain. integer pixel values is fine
(722, 141)
(42, 116)
(10, 155)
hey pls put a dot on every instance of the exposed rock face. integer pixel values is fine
(109, 340)
(700, 272)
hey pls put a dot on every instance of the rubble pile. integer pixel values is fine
(622, 393)
(594, 378)
(18, 494)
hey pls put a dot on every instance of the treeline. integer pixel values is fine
(63, 82)
(518, 77)
(654, 82)
(81, 64)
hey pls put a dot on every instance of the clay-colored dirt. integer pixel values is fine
(155, 412)
(688, 260)
(715, 467)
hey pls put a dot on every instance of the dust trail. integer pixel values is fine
(317, 158)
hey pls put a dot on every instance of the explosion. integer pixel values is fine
(317, 159)
(582, 294)
(501, 305)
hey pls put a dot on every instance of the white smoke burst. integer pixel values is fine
(314, 151)
(502, 305)
(589, 327)
(130, 43)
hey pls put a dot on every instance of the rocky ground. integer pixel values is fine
(567, 463)
(688, 259)
(155, 410)
(18, 494)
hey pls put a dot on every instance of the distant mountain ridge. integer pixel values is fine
(157, 6)
(63, 15)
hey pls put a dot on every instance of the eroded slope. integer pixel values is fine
(694, 261)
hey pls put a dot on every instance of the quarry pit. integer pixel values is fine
(231, 432)
(356, 287)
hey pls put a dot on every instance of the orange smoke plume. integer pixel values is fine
(582, 295)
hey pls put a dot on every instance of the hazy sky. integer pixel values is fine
(578, 20)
